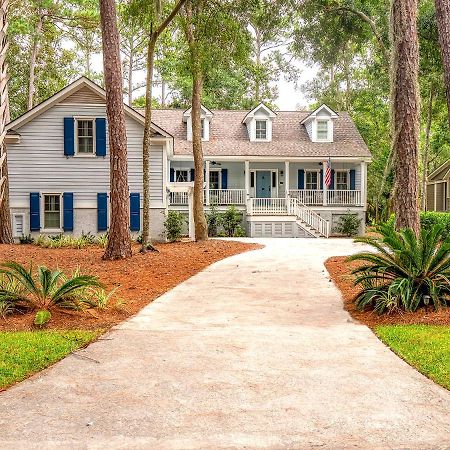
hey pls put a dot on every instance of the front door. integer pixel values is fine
(263, 184)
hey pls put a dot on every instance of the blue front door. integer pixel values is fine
(263, 184)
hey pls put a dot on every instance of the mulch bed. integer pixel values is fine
(141, 278)
(340, 272)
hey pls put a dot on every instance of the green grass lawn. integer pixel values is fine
(426, 347)
(23, 353)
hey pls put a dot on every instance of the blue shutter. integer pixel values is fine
(68, 211)
(352, 180)
(135, 211)
(301, 179)
(100, 136)
(172, 175)
(69, 136)
(192, 174)
(35, 216)
(332, 180)
(224, 178)
(102, 211)
(321, 178)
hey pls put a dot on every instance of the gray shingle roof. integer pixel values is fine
(228, 136)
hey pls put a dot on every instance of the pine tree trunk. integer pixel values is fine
(119, 243)
(146, 147)
(426, 149)
(201, 226)
(405, 112)
(33, 58)
(443, 23)
(5, 217)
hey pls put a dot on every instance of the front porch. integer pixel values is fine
(237, 182)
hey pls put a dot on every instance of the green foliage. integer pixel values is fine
(406, 272)
(425, 347)
(231, 220)
(174, 225)
(42, 317)
(213, 219)
(102, 240)
(69, 241)
(23, 353)
(28, 239)
(348, 224)
(44, 289)
(429, 219)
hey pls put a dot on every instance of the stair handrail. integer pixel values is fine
(310, 217)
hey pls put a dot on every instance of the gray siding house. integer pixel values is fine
(290, 173)
(438, 189)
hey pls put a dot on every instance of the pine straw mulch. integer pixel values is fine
(140, 279)
(340, 273)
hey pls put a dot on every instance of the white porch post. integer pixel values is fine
(207, 182)
(325, 187)
(286, 179)
(247, 185)
(363, 183)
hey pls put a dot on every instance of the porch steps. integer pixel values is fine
(308, 229)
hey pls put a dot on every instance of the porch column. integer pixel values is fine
(286, 179)
(247, 185)
(363, 183)
(325, 187)
(207, 182)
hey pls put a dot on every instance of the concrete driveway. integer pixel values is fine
(255, 352)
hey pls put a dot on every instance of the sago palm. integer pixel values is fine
(405, 272)
(45, 289)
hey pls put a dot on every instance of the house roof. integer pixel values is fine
(315, 113)
(80, 84)
(441, 172)
(229, 136)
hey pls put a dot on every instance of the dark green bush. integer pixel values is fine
(214, 219)
(429, 219)
(26, 239)
(406, 272)
(348, 224)
(174, 225)
(231, 219)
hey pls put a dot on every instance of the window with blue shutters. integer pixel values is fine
(135, 211)
(35, 209)
(102, 211)
(68, 211)
(100, 136)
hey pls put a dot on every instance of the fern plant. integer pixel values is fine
(43, 290)
(406, 272)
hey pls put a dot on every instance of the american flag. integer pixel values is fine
(328, 173)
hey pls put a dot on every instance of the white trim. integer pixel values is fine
(251, 114)
(318, 179)
(66, 92)
(267, 138)
(77, 154)
(61, 208)
(435, 171)
(268, 158)
(204, 111)
(333, 114)
(15, 233)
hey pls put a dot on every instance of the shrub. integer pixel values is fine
(26, 239)
(348, 224)
(406, 272)
(429, 219)
(44, 290)
(174, 225)
(214, 219)
(231, 219)
(102, 240)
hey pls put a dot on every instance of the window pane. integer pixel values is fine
(341, 180)
(322, 129)
(203, 128)
(181, 176)
(52, 208)
(85, 136)
(85, 145)
(261, 129)
(311, 180)
(214, 180)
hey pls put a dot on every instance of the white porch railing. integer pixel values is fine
(307, 196)
(178, 198)
(227, 196)
(267, 206)
(344, 197)
(315, 197)
(311, 218)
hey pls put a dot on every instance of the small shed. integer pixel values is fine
(438, 189)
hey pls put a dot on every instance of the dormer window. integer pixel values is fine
(322, 130)
(259, 122)
(205, 119)
(261, 130)
(319, 124)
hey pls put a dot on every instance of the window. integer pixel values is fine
(322, 130)
(52, 211)
(202, 122)
(85, 136)
(214, 179)
(312, 179)
(261, 129)
(341, 180)
(181, 176)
